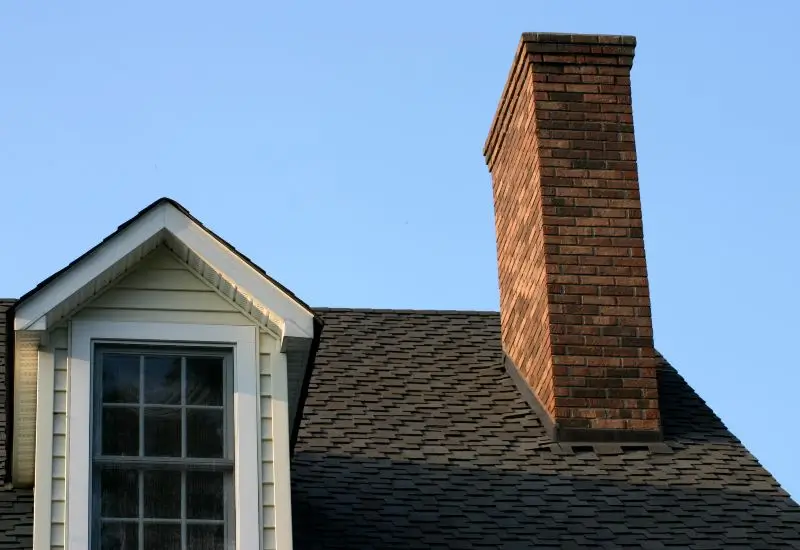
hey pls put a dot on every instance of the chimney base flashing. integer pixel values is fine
(529, 396)
(597, 435)
(561, 434)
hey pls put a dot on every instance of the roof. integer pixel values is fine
(415, 436)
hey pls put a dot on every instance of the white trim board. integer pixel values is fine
(165, 217)
(280, 450)
(247, 470)
(43, 462)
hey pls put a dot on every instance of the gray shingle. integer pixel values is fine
(414, 436)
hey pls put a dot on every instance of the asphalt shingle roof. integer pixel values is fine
(415, 436)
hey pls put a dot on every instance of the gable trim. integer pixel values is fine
(55, 289)
(268, 322)
(164, 215)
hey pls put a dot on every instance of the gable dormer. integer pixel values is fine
(151, 392)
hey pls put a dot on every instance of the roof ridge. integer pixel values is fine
(408, 310)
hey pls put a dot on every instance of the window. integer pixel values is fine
(162, 449)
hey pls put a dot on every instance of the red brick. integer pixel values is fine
(598, 300)
(575, 303)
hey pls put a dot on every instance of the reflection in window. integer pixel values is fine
(163, 460)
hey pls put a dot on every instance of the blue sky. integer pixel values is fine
(338, 144)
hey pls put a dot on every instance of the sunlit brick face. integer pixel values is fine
(575, 303)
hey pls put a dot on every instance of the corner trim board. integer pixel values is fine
(43, 484)
(280, 437)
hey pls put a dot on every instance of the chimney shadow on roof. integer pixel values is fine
(685, 416)
(359, 481)
(356, 503)
(346, 502)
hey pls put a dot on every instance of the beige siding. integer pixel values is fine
(162, 289)
(267, 345)
(25, 382)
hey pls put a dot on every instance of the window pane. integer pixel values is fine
(120, 431)
(120, 378)
(156, 404)
(204, 433)
(205, 495)
(162, 431)
(119, 493)
(119, 536)
(162, 494)
(162, 537)
(204, 380)
(206, 537)
(162, 380)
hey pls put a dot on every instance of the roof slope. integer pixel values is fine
(415, 436)
(16, 505)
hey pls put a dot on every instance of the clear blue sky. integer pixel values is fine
(338, 144)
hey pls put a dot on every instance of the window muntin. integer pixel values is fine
(163, 449)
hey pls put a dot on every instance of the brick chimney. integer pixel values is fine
(574, 298)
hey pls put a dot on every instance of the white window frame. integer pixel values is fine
(243, 340)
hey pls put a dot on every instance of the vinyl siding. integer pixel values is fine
(163, 290)
(160, 289)
(268, 345)
(58, 500)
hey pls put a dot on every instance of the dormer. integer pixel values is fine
(157, 381)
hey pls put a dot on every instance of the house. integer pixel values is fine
(162, 391)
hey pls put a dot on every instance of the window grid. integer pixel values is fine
(184, 452)
(143, 463)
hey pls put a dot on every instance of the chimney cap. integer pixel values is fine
(570, 38)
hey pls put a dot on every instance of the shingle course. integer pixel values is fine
(414, 436)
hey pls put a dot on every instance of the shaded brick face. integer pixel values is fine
(575, 305)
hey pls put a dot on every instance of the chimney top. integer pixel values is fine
(557, 48)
